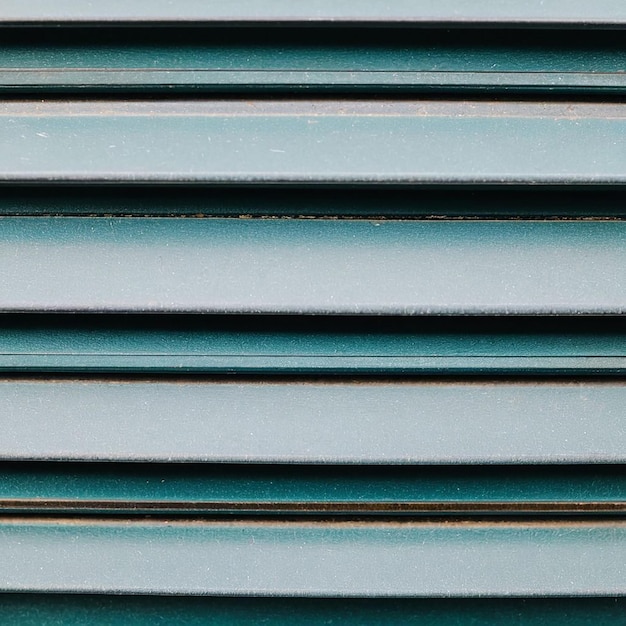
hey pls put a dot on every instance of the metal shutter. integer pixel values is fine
(312, 312)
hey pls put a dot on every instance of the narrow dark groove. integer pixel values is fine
(243, 378)
(336, 324)
(316, 510)
(78, 519)
(369, 36)
(315, 202)
(305, 92)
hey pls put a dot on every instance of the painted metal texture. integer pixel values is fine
(607, 13)
(312, 312)
(323, 142)
(311, 560)
(313, 266)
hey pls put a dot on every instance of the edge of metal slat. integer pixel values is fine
(553, 13)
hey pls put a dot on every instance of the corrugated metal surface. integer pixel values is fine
(330, 313)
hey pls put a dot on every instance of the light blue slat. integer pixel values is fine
(290, 559)
(378, 11)
(412, 423)
(333, 142)
(313, 266)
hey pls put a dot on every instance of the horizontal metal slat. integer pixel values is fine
(312, 266)
(310, 345)
(300, 559)
(224, 60)
(331, 142)
(198, 346)
(30, 608)
(410, 423)
(446, 12)
(301, 490)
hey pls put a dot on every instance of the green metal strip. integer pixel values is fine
(202, 345)
(313, 559)
(444, 12)
(313, 50)
(314, 422)
(117, 488)
(106, 81)
(28, 609)
(325, 141)
(328, 60)
(342, 267)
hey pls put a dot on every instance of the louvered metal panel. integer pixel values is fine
(363, 347)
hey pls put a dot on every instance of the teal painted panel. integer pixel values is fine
(68, 610)
(174, 489)
(315, 560)
(313, 422)
(328, 60)
(447, 12)
(324, 141)
(312, 50)
(345, 267)
(209, 345)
